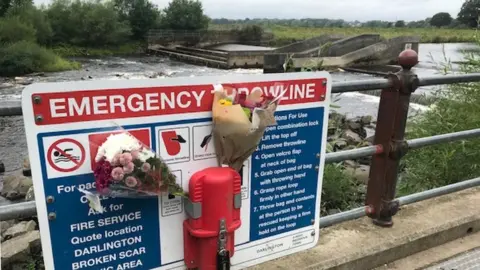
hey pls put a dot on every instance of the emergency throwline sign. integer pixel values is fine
(281, 184)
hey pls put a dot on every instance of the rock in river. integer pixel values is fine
(19, 229)
(16, 186)
(20, 249)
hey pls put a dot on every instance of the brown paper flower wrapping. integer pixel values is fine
(235, 137)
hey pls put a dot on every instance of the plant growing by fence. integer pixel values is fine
(455, 109)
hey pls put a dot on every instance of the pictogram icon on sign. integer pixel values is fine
(172, 142)
(66, 155)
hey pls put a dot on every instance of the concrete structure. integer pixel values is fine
(324, 51)
(360, 245)
(377, 53)
(222, 56)
(347, 45)
(309, 45)
(200, 38)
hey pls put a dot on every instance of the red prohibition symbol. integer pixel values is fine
(55, 150)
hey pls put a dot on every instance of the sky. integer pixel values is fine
(349, 10)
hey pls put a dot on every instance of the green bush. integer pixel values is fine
(14, 30)
(339, 190)
(26, 57)
(251, 34)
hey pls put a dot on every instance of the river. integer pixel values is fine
(12, 136)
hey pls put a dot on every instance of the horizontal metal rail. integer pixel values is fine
(11, 108)
(417, 197)
(18, 211)
(360, 85)
(443, 138)
(353, 154)
(412, 144)
(27, 209)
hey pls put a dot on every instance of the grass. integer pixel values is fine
(61, 64)
(428, 35)
(25, 57)
(339, 190)
(124, 49)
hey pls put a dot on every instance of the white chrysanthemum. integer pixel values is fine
(116, 144)
(145, 154)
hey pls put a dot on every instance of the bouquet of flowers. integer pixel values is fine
(239, 122)
(125, 167)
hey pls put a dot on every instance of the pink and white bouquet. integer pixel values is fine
(125, 167)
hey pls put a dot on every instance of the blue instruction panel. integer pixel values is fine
(66, 123)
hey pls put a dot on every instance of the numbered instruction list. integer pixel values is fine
(285, 174)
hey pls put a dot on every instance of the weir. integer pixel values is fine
(325, 51)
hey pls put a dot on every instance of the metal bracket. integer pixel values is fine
(395, 81)
(398, 149)
(409, 81)
(222, 236)
(387, 211)
(237, 200)
(193, 209)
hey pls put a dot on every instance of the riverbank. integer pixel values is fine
(427, 35)
(127, 49)
(26, 57)
(287, 34)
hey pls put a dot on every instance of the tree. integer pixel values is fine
(35, 17)
(441, 19)
(400, 24)
(469, 13)
(83, 23)
(142, 16)
(5, 5)
(185, 15)
(14, 30)
(250, 34)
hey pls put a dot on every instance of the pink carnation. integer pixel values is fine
(117, 174)
(116, 159)
(125, 158)
(135, 154)
(146, 167)
(129, 167)
(131, 182)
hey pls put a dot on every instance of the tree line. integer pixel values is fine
(28, 32)
(468, 17)
(94, 23)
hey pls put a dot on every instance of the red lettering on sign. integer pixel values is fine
(96, 140)
(104, 104)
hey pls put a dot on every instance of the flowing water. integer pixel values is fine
(12, 136)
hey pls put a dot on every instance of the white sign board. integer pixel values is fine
(281, 184)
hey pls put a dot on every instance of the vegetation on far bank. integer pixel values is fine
(35, 38)
(427, 35)
(287, 34)
(130, 48)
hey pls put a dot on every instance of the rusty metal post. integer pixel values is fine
(390, 132)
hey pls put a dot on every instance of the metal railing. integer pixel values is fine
(388, 148)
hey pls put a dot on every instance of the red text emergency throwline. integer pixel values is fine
(91, 105)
